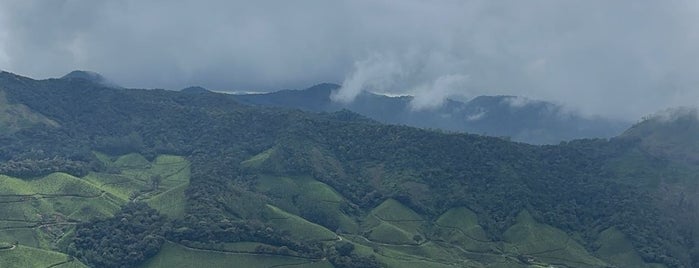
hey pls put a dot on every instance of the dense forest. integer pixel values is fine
(581, 187)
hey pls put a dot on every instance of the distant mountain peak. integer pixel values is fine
(195, 90)
(668, 122)
(89, 76)
(671, 133)
(323, 89)
(324, 86)
(675, 114)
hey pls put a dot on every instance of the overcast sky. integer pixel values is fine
(616, 58)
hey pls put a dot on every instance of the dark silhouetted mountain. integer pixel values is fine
(521, 119)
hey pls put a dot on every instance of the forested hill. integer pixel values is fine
(521, 119)
(271, 187)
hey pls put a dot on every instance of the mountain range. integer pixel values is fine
(517, 118)
(101, 176)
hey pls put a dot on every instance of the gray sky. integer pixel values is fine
(616, 58)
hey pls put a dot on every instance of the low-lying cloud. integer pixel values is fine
(622, 59)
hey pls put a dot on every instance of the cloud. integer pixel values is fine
(375, 73)
(517, 101)
(433, 95)
(673, 114)
(617, 58)
(476, 116)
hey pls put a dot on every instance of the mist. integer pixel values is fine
(620, 59)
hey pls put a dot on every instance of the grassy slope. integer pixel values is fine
(396, 235)
(40, 213)
(393, 223)
(546, 244)
(616, 249)
(173, 255)
(132, 176)
(298, 227)
(391, 228)
(323, 197)
(459, 226)
(22, 256)
(257, 160)
(426, 255)
(14, 117)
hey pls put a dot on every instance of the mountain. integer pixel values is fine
(671, 134)
(521, 119)
(156, 178)
(89, 76)
(195, 90)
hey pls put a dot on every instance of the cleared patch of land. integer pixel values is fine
(459, 226)
(393, 223)
(298, 227)
(160, 183)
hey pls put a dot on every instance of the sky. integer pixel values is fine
(620, 59)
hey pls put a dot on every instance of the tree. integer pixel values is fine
(155, 182)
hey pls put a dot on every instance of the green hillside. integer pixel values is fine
(309, 198)
(615, 248)
(393, 223)
(23, 256)
(671, 134)
(296, 226)
(129, 177)
(543, 243)
(42, 212)
(14, 117)
(173, 255)
(459, 226)
(161, 183)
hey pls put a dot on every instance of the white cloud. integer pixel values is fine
(376, 72)
(434, 95)
(517, 101)
(475, 117)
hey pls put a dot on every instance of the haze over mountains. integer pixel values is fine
(521, 119)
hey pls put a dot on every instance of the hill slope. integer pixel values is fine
(337, 189)
(672, 133)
